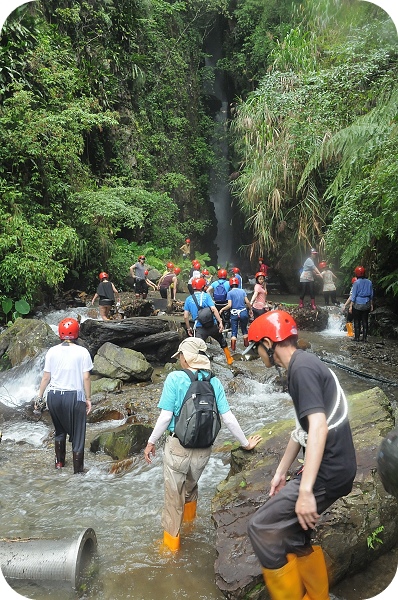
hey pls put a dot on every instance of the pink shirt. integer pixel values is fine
(261, 297)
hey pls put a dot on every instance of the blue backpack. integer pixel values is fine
(220, 293)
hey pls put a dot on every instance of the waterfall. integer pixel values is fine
(219, 175)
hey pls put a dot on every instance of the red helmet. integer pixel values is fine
(68, 329)
(141, 257)
(198, 284)
(170, 265)
(195, 260)
(354, 279)
(235, 270)
(259, 274)
(233, 281)
(260, 258)
(359, 271)
(222, 274)
(277, 325)
(177, 270)
(187, 241)
(323, 264)
(146, 272)
(196, 265)
(205, 272)
(103, 275)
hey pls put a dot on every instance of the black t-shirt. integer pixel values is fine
(105, 290)
(313, 390)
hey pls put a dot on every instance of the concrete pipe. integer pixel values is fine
(49, 560)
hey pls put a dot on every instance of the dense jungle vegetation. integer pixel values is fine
(106, 133)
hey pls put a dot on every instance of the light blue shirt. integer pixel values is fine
(362, 291)
(176, 386)
(203, 299)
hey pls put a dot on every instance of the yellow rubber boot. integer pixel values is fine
(172, 543)
(189, 511)
(350, 329)
(284, 583)
(228, 356)
(314, 575)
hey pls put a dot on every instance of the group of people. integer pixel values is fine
(280, 530)
(360, 300)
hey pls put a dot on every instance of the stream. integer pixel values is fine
(124, 510)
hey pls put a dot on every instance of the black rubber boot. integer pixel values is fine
(78, 459)
(357, 331)
(60, 451)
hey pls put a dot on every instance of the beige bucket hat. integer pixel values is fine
(194, 351)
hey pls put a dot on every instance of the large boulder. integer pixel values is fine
(24, 339)
(121, 363)
(156, 338)
(344, 529)
(122, 442)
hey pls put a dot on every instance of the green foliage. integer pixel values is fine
(373, 537)
(21, 308)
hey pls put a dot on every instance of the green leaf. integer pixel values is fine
(7, 305)
(22, 307)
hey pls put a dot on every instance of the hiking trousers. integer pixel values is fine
(182, 468)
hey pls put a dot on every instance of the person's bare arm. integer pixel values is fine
(87, 390)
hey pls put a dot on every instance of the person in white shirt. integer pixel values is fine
(67, 376)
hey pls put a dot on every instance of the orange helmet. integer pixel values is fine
(323, 264)
(205, 272)
(277, 325)
(260, 258)
(141, 257)
(359, 271)
(222, 274)
(233, 281)
(177, 270)
(170, 265)
(198, 284)
(103, 275)
(187, 241)
(68, 329)
(259, 274)
(235, 270)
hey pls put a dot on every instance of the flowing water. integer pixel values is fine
(38, 501)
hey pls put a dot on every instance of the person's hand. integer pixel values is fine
(149, 451)
(306, 510)
(277, 483)
(220, 326)
(253, 441)
(88, 406)
(190, 331)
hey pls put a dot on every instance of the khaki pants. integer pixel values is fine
(182, 468)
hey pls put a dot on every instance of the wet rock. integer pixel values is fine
(121, 363)
(105, 384)
(26, 338)
(343, 529)
(123, 442)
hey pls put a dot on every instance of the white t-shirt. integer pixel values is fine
(66, 365)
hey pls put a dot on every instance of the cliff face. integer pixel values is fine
(342, 531)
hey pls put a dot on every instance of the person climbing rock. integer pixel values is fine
(106, 293)
(240, 308)
(280, 530)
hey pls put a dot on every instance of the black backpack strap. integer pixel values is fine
(192, 376)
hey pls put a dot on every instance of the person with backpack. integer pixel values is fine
(184, 462)
(207, 320)
(240, 307)
(106, 293)
(280, 530)
(220, 289)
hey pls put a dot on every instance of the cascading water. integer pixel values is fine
(219, 187)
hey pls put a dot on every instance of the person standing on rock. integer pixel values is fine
(67, 376)
(168, 280)
(182, 467)
(361, 303)
(329, 287)
(137, 272)
(259, 298)
(280, 531)
(307, 279)
(106, 293)
(240, 308)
